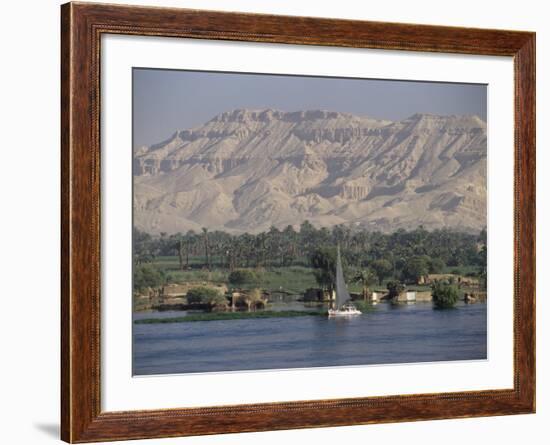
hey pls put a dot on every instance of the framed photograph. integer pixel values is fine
(274, 222)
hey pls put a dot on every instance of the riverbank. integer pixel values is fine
(209, 316)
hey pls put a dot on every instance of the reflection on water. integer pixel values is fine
(389, 334)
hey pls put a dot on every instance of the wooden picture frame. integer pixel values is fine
(82, 25)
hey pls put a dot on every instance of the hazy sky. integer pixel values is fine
(170, 100)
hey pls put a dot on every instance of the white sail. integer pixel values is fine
(342, 294)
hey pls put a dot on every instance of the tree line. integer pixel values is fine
(404, 253)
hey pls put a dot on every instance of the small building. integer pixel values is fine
(313, 294)
(406, 297)
(424, 296)
(316, 294)
(376, 296)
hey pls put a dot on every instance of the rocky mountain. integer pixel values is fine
(246, 170)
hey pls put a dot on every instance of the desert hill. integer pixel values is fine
(246, 170)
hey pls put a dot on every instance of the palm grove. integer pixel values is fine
(370, 258)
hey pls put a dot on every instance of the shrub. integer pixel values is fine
(254, 298)
(255, 295)
(148, 275)
(202, 295)
(217, 301)
(444, 295)
(363, 306)
(395, 288)
(242, 276)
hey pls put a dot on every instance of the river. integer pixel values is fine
(389, 334)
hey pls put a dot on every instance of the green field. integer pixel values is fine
(291, 279)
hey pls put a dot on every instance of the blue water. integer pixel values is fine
(389, 334)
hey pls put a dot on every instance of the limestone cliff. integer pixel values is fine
(246, 170)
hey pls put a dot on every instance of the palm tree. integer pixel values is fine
(382, 268)
(190, 242)
(366, 278)
(246, 248)
(323, 260)
(289, 240)
(206, 247)
(180, 252)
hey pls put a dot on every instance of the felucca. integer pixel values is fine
(343, 307)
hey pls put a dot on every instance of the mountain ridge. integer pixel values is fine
(246, 170)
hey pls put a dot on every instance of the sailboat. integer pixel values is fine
(343, 306)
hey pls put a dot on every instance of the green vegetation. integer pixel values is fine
(216, 276)
(218, 302)
(242, 276)
(254, 296)
(290, 279)
(290, 261)
(323, 261)
(230, 316)
(382, 268)
(364, 306)
(365, 278)
(419, 287)
(435, 265)
(443, 249)
(416, 267)
(444, 295)
(395, 288)
(204, 295)
(148, 275)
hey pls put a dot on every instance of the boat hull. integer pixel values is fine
(348, 313)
